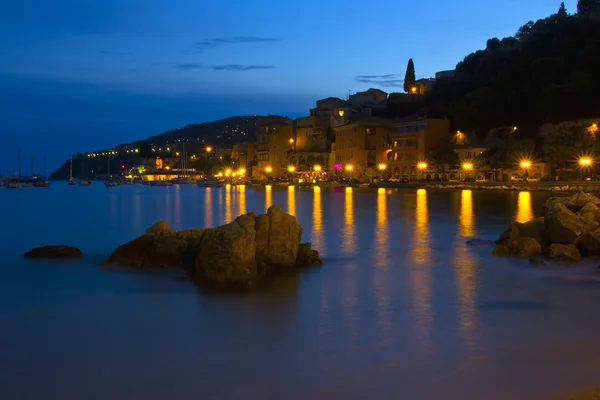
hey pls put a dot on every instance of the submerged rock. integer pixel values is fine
(235, 256)
(537, 261)
(54, 251)
(565, 253)
(511, 233)
(520, 247)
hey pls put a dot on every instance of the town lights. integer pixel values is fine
(291, 168)
(268, 170)
(291, 141)
(382, 167)
(467, 166)
(525, 164)
(585, 161)
(242, 172)
(422, 166)
(349, 168)
(317, 168)
(208, 149)
(413, 89)
(227, 172)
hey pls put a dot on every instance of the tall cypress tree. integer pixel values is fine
(409, 78)
(584, 6)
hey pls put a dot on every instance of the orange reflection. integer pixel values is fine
(524, 211)
(466, 287)
(348, 245)
(227, 204)
(381, 260)
(268, 196)
(208, 208)
(467, 227)
(317, 231)
(242, 199)
(420, 276)
(292, 200)
(177, 200)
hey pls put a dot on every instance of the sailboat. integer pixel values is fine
(24, 181)
(183, 180)
(71, 181)
(83, 181)
(109, 182)
(38, 181)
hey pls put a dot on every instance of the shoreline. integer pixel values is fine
(517, 186)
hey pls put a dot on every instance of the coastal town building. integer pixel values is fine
(412, 141)
(274, 137)
(243, 154)
(361, 145)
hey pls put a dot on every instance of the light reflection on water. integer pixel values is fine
(524, 209)
(400, 295)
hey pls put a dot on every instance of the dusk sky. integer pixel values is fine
(80, 75)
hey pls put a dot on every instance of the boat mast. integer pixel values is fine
(108, 165)
(71, 170)
(31, 163)
(19, 172)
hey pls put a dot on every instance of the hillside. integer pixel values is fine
(219, 134)
(547, 72)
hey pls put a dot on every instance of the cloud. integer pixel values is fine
(389, 80)
(189, 66)
(238, 67)
(218, 42)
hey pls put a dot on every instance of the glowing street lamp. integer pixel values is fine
(208, 149)
(382, 167)
(585, 162)
(268, 170)
(525, 164)
(422, 166)
(227, 172)
(242, 172)
(349, 168)
(317, 168)
(467, 166)
(291, 140)
(413, 89)
(291, 169)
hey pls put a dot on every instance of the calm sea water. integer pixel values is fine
(402, 308)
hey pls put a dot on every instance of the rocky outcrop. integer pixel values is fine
(235, 256)
(564, 253)
(568, 230)
(564, 226)
(54, 251)
(520, 247)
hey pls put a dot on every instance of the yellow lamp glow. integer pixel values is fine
(291, 168)
(349, 167)
(341, 113)
(220, 174)
(585, 161)
(291, 141)
(227, 172)
(422, 165)
(467, 166)
(208, 149)
(382, 166)
(525, 164)
(268, 170)
(413, 89)
(317, 168)
(242, 172)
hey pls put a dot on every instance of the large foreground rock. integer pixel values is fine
(235, 256)
(54, 251)
(520, 247)
(564, 226)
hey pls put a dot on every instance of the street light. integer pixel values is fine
(208, 151)
(585, 161)
(268, 170)
(242, 172)
(227, 172)
(382, 167)
(467, 166)
(525, 164)
(291, 168)
(422, 166)
(317, 168)
(291, 141)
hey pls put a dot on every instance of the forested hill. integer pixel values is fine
(218, 134)
(548, 72)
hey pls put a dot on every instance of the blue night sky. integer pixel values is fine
(80, 75)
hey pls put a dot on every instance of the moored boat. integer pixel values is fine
(208, 183)
(160, 183)
(12, 182)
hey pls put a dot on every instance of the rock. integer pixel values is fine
(563, 226)
(537, 261)
(511, 233)
(579, 200)
(598, 270)
(565, 253)
(151, 251)
(535, 229)
(591, 212)
(307, 256)
(479, 242)
(160, 228)
(521, 247)
(553, 200)
(284, 239)
(226, 257)
(589, 243)
(54, 251)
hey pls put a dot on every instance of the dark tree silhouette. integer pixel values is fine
(584, 6)
(409, 78)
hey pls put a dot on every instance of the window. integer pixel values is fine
(395, 143)
(395, 156)
(341, 113)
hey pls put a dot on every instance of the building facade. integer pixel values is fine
(243, 153)
(412, 141)
(274, 144)
(361, 145)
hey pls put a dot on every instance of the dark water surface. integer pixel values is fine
(402, 308)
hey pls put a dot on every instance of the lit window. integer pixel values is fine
(395, 156)
(341, 113)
